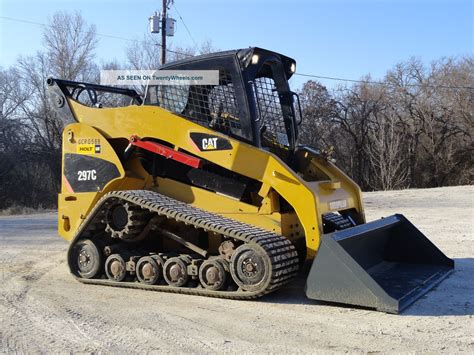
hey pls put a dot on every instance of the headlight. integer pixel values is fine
(255, 59)
(293, 67)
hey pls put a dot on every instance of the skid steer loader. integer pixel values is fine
(204, 190)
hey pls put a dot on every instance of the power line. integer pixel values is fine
(184, 23)
(300, 74)
(97, 34)
(384, 84)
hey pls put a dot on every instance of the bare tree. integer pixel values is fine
(402, 90)
(70, 45)
(317, 128)
(145, 54)
(356, 108)
(385, 152)
(437, 118)
(17, 168)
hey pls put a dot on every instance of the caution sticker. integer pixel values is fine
(338, 204)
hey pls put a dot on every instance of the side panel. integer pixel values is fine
(90, 167)
(86, 173)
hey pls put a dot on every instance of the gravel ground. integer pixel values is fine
(42, 308)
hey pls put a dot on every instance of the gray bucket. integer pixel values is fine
(386, 264)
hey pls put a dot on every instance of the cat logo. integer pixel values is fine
(209, 143)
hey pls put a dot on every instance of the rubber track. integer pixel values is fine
(282, 253)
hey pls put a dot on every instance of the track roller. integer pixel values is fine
(115, 267)
(213, 274)
(149, 270)
(175, 271)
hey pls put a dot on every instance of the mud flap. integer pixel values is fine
(387, 264)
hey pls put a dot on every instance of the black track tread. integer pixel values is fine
(282, 253)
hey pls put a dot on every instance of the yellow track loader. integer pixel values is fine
(204, 190)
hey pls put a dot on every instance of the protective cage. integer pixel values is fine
(213, 106)
(270, 112)
(387, 264)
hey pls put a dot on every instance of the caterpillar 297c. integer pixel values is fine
(204, 190)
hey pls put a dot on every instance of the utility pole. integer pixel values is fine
(165, 24)
(163, 32)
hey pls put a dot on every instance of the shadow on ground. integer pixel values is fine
(454, 296)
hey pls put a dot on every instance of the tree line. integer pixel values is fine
(411, 130)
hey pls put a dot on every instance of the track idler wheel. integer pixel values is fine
(149, 269)
(125, 221)
(115, 267)
(250, 268)
(86, 258)
(213, 274)
(175, 271)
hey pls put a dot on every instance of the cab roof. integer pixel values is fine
(244, 56)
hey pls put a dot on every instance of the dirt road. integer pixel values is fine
(43, 309)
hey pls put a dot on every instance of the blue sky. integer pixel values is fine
(340, 38)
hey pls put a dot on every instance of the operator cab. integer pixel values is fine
(252, 101)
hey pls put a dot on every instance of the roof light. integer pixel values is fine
(255, 59)
(293, 67)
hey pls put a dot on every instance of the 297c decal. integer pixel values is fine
(86, 175)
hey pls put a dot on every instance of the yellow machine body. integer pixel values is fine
(305, 191)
